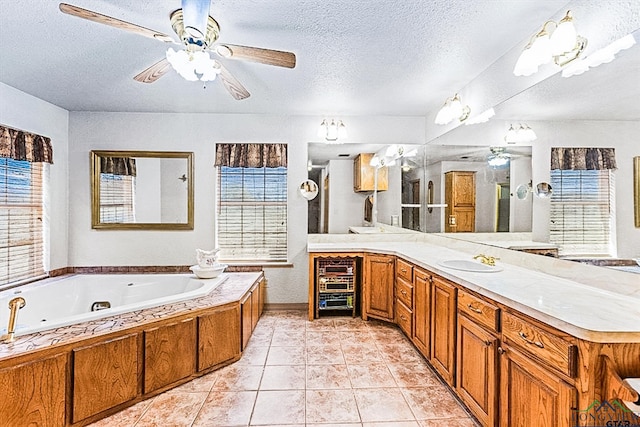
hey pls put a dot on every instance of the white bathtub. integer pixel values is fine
(64, 301)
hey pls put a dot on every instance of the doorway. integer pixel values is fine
(502, 206)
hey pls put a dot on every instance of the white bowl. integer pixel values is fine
(208, 272)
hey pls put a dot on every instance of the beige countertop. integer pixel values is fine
(583, 310)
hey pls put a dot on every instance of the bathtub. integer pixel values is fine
(57, 302)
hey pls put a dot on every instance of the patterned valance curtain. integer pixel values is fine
(583, 158)
(20, 145)
(251, 155)
(118, 165)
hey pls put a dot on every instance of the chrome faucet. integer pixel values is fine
(485, 259)
(14, 305)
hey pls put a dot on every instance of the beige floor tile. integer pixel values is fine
(413, 374)
(125, 418)
(201, 384)
(283, 378)
(331, 406)
(382, 404)
(237, 378)
(279, 407)
(359, 353)
(359, 337)
(322, 324)
(288, 337)
(432, 403)
(399, 353)
(393, 424)
(372, 375)
(225, 408)
(458, 422)
(350, 324)
(254, 355)
(322, 338)
(334, 425)
(287, 355)
(325, 355)
(172, 409)
(327, 377)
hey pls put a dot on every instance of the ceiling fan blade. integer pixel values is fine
(113, 22)
(233, 86)
(256, 54)
(154, 72)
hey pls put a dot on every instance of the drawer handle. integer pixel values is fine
(402, 317)
(528, 341)
(474, 309)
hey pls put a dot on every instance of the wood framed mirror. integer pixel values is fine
(142, 190)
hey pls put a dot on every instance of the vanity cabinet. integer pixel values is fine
(218, 337)
(364, 174)
(33, 393)
(460, 197)
(477, 356)
(443, 328)
(169, 354)
(251, 311)
(421, 336)
(404, 296)
(378, 284)
(104, 375)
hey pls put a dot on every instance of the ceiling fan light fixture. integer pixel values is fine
(193, 66)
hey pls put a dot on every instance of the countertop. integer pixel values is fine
(587, 312)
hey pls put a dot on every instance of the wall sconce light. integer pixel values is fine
(332, 131)
(561, 44)
(388, 156)
(523, 133)
(481, 118)
(599, 57)
(452, 109)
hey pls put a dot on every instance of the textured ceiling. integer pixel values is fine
(354, 57)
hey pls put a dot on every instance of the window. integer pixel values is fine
(582, 216)
(252, 213)
(22, 211)
(117, 198)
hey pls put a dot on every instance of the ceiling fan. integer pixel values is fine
(197, 33)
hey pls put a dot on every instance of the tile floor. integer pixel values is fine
(334, 371)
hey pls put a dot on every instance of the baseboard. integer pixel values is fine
(287, 306)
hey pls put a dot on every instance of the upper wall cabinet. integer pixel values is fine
(142, 190)
(364, 175)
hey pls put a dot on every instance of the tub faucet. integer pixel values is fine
(485, 259)
(14, 305)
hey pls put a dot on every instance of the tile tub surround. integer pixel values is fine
(231, 290)
(579, 307)
(315, 382)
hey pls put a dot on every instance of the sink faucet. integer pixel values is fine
(485, 259)
(14, 305)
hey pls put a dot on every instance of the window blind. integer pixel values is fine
(582, 212)
(252, 213)
(117, 198)
(21, 220)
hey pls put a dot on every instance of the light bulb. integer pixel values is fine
(564, 37)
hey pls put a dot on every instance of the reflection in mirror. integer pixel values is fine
(544, 190)
(523, 190)
(142, 190)
(309, 189)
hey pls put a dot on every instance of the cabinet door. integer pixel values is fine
(218, 337)
(104, 375)
(476, 370)
(464, 188)
(404, 318)
(33, 394)
(378, 299)
(443, 328)
(246, 310)
(169, 354)
(532, 396)
(422, 311)
(255, 307)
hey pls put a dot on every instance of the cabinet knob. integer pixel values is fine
(487, 343)
(501, 350)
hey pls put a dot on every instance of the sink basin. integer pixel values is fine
(467, 265)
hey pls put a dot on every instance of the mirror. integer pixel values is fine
(142, 190)
(544, 190)
(309, 189)
(523, 191)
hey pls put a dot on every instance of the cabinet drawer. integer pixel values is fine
(404, 318)
(404, 270)
(479, 310)
(554, 351)
(404, 292)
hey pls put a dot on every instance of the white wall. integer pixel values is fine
(25, 112)
(346, 207)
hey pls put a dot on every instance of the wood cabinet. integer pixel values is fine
(23, 402)
(364, 174)
(404, 296)
(169, 354)
(422, 311)
(443, 328)
(250, 308)
(218, 337)
(477, 370)
(378, 283)
(104, 375)
(460, 197)
(530, 395)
